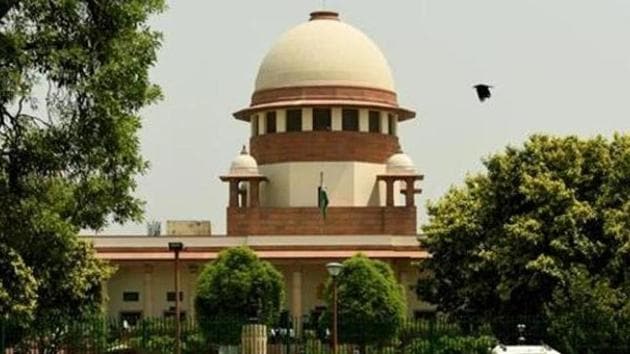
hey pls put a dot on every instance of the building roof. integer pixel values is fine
(139, 248)
(323, 52)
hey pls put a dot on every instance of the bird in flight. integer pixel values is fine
(483, 91)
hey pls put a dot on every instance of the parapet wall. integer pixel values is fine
(309, 221)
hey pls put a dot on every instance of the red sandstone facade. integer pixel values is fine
(323, 146)
(309, 221)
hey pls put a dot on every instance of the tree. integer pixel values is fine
(235, 288)
(17, 286)
(589, 314)
(73, 77)
(516, 239)
(371, 304)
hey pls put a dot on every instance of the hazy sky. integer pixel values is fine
(559, 66)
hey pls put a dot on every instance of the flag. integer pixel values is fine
(322, 201)
(322, 196)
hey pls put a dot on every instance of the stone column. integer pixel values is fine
(104, 296)
(364, 120)
(389, 193)
(410, 191)
(254, 194)
(384, 123)
(307, 119)
(147, 293)
(297, 309)
(261, 124)
(281, 120)
(335, 119)
(404, 279)
(191, 289)
(296, 294)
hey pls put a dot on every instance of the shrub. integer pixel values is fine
(370, 302)
(234, 289)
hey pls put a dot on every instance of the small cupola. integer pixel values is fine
(400, 164)
(244, 180)
(244, 165)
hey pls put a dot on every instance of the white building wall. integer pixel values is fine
(126, 278)
(294, 184)
(152, 301)
(300, 298)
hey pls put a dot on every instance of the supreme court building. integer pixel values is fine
(324, 105)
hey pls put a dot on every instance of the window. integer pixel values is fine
(130, 317)
(294, 120)
(131, 296)
(321, 119)
(254, 120)
(350, 120)
(391, 124)
(271, 122)
(171, 313)
(375, 122)
(170, 296)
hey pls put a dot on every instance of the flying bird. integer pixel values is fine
(483, 91)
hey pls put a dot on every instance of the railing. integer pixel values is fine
(295, 336)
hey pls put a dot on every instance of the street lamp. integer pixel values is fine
(334, 269)
(176, 247)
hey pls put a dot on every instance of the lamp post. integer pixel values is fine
(334, 269)
(176, 247)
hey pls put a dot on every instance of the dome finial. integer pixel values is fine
(244, 150)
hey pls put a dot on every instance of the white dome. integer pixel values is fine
(244, 165)
(400, 164)
(324, 51)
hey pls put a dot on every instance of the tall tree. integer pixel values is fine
(73, 77)
(545, 221)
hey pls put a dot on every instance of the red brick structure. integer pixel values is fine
(309, 221)
(323, 146)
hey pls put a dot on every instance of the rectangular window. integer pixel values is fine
(375, 122)
(254, 120)
(131, 296)
(271, 122)
(131, 318)
(294, 120)
(392, 124)
(171, 314)
(170, 296)
(350, 120)
(322, 119)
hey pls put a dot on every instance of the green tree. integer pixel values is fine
(601, 312)
(510, 241)
(17, 286)
(73, 77)
(233, 289)
(371, 303)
